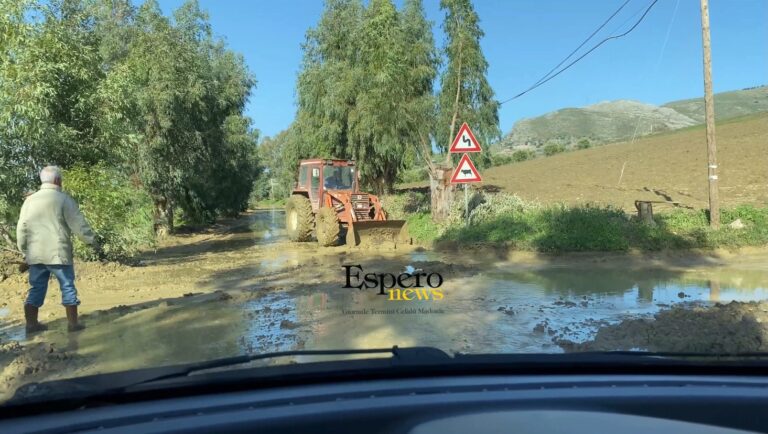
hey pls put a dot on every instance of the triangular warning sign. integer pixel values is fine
(465, 172)
(465, 141)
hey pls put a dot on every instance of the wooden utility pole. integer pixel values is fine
(709, 111)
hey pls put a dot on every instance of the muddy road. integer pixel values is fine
(241, 287)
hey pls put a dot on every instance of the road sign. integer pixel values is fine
(465, 141)
(465, 172)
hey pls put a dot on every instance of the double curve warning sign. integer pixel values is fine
(465, 142)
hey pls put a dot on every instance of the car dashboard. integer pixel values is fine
(441, 405)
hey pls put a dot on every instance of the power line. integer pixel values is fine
(583, 43)
(584, 55)
(666, 38)
(628, 19)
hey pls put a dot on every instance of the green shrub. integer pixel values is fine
(499, 159)
(399, 206)
(748, 214)
(523, 155)
(583, 144)
(553, 148)
(495, 205)
(416, 174)
(582, 228)
(507, 219)
(554, 228)
(457, 214)
(502, 229)
(558, 228)
(421, 227)
(119, 212)
(9, 215)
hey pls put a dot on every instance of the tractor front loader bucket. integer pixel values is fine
(374, 233)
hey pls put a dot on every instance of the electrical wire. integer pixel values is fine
(642, 17)
(583, 43)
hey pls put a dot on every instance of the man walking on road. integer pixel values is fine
(46, 222)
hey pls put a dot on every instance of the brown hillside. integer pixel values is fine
(663, 167)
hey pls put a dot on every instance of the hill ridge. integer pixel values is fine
(622, 119)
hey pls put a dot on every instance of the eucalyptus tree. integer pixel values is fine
(48, 71)
(465, 94)
(365, 89)
(379, 131)
(328, 84)
(174, 108)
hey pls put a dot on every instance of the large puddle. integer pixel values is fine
(494, 307)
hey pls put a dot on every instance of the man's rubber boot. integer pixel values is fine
(72, 324)
(30, 315)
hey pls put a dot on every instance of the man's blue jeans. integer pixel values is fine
(38, 281)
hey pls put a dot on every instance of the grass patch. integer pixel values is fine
(421, 227)
(550, 229)
(501, 219)
(585, 228)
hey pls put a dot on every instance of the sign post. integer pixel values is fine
(465, 172)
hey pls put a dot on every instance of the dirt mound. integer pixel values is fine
(724, 328)
(22, 364)
(10, 264)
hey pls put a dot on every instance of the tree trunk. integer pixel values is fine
(441, 193)
(455, 103)
(645, 212)
(163, 217)
(441, 188)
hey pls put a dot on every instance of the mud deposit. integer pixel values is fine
(723, 328)
(241, 287)
(10, 264)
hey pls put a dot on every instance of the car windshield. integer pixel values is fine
(338, 178)
(188, 180)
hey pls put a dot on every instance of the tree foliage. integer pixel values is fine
(421, 66)
(118, 212)
(327, 86)
(159, 100)
(365, 89)
(465, 94)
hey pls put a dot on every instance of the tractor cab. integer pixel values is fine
(327, 200)
(339, 177)
(318, 176)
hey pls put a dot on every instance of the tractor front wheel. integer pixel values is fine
(327, 227)
(299, 220)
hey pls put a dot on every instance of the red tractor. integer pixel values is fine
(327, 200)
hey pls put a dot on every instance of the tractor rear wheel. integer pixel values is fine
(328, 227)
(299, 220)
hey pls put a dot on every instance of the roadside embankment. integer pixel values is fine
(506, 221)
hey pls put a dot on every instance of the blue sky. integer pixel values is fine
(523, 40)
